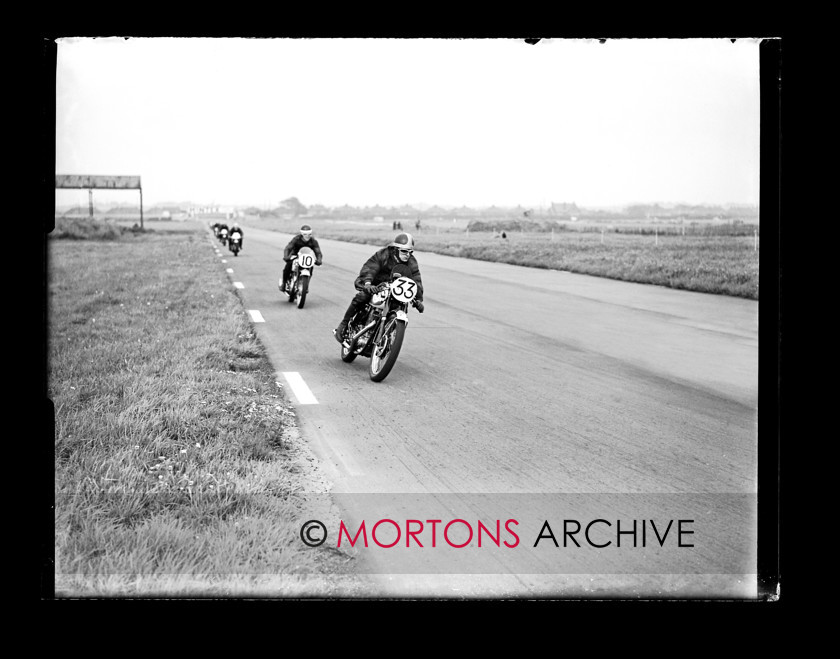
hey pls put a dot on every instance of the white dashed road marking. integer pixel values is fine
(256, 316)
(301, 391)
(238, 284)
(229, 270)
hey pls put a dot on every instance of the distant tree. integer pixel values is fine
(293, 206)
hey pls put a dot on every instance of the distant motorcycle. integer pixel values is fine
(297, 286)
(377, 331)
(223, 236)
(235, 242)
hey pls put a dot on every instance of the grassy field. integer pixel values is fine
(178, 465)
(707, 259)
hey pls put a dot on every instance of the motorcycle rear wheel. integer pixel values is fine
(386, 351)
(349, 354)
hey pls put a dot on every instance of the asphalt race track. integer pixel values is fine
(533, 395)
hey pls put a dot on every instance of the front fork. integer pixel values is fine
(397, 316)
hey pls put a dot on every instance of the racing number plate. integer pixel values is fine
(404, 289)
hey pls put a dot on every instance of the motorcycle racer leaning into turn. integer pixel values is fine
(376, 273)
(303, 239)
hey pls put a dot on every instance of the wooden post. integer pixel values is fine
(141, 209)
(90, 203)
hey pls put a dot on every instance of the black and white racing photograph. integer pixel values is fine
(494, 334)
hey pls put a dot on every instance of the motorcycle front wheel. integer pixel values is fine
(303, 289)
(386, 350)
(292, 283)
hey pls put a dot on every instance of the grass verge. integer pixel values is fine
(708, 261)
(178, 465)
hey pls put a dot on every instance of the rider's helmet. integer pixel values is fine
(403, 246)
(305, 231)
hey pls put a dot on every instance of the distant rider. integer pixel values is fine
(302, 239)
(235, 227)
(376, 272)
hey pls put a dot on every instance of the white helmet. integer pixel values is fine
(403, 241)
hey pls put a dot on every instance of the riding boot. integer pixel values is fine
(351, 311)
(287, 273)
(339, 331)
(342, 326)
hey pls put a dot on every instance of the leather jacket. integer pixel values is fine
(297, 242)
(378, 267)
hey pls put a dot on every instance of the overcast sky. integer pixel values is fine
(471, 122)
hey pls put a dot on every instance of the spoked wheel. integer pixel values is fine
(303, 289)
(386, 350)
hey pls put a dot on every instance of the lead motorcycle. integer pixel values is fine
(235, 242)
(377, 330)
(298, 284)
